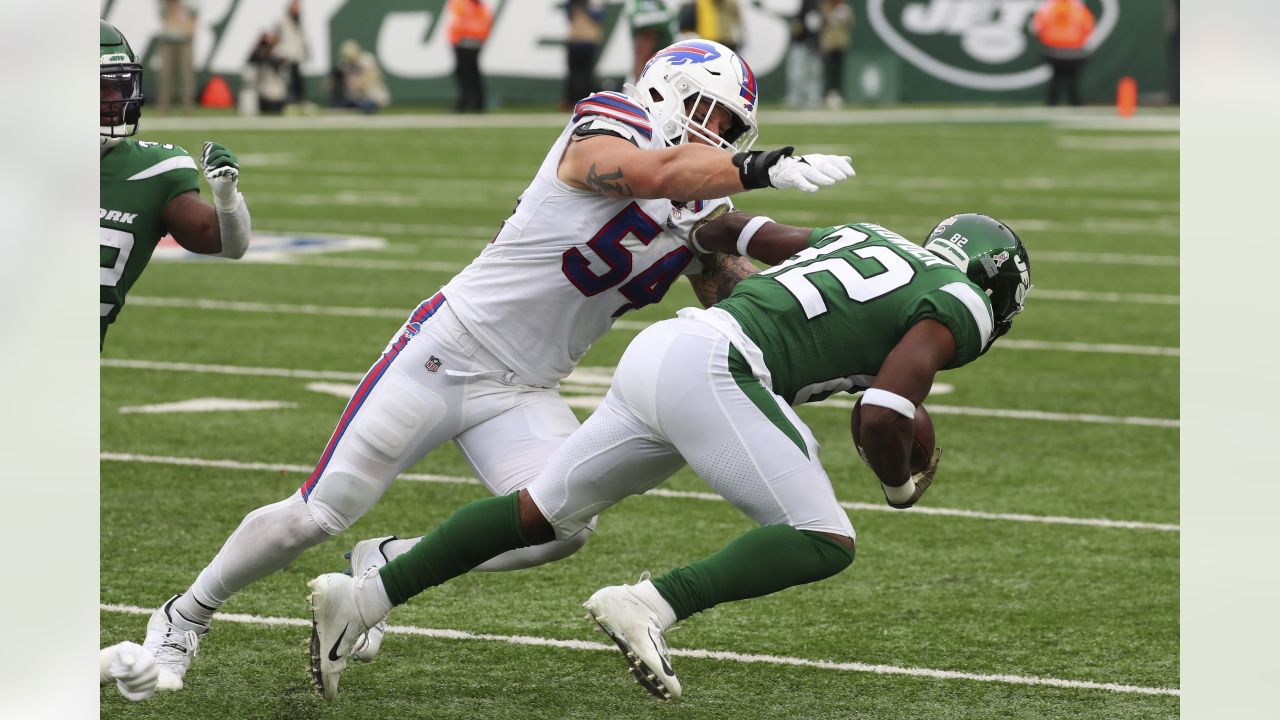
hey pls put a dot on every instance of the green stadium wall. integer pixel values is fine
(913, 51)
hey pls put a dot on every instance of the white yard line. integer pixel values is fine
(1107, 348)
(1105, 297)
(343, 263)
(1106, 258)
(447, 634)
(338, 311)
(1074, 118)
(659, 492)
(588, 402)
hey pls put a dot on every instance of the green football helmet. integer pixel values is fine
(992, 256)
(120, 90)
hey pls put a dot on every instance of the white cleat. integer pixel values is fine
(365, 555)
(634, 627)
(335, 625)
(172, 640)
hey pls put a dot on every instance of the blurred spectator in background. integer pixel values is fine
(291, 49)
(653, 26)
(1063, 27)
(174, 46)
(686, 21)
(581, 46)
(803, 63)
(833, 41)
(263, 80)
(1172, 23)
(721, 21)
(356, 80)
(469, 25)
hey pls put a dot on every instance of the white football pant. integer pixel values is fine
(433, 383)
(674, 399)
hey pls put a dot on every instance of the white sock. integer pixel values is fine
(646, 591)
(267, 540)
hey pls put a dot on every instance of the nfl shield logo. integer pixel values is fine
(434, 364)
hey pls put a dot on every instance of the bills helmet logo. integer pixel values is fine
(687, 53)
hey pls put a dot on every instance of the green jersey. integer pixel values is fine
(827, 317)
(138, 179)
(652, 15)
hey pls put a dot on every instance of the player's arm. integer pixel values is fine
(614, 167)
(889, 406)
(752, 236)
(720, 275)
(221, 229)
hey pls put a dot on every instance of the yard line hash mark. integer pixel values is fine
(660, 492)
(722, 655)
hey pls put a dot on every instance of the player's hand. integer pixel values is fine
(715, 212)
(810, 172)
(923, 480)
(221, 170)
(134, 670)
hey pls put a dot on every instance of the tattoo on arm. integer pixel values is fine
(717, 281)
(608, 183)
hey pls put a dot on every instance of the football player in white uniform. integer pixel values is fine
(602, 229)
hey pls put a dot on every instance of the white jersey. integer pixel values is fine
(568, 262)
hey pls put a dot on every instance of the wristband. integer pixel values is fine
(899, 494)
(893, 401)
(753, 167)
(749, 231)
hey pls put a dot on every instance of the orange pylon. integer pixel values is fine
(1126, 96)
(217, 94)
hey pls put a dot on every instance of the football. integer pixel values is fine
(922, 442)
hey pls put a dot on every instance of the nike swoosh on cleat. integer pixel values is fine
(666, 667)
(333, 651)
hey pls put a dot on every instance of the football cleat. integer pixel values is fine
(335, 624)
(634, 627)
(365, 555)
(172, 640)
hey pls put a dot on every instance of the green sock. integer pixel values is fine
(476, 532)
(762, 561)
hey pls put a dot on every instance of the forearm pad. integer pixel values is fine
(753, 167)
(233, 227)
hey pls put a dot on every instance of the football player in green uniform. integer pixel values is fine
(149, 189)
(857, 308)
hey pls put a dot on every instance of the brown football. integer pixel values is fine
(922, 441)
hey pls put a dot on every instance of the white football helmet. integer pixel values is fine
(679, 78)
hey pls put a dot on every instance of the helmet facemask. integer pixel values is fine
(120, 101)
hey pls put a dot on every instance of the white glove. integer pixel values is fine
(133, 669)
(809, 172)
(687, 218)
(222, 171)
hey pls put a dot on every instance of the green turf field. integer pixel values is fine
(1039, 579)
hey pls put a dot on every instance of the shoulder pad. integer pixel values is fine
(618, 107)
